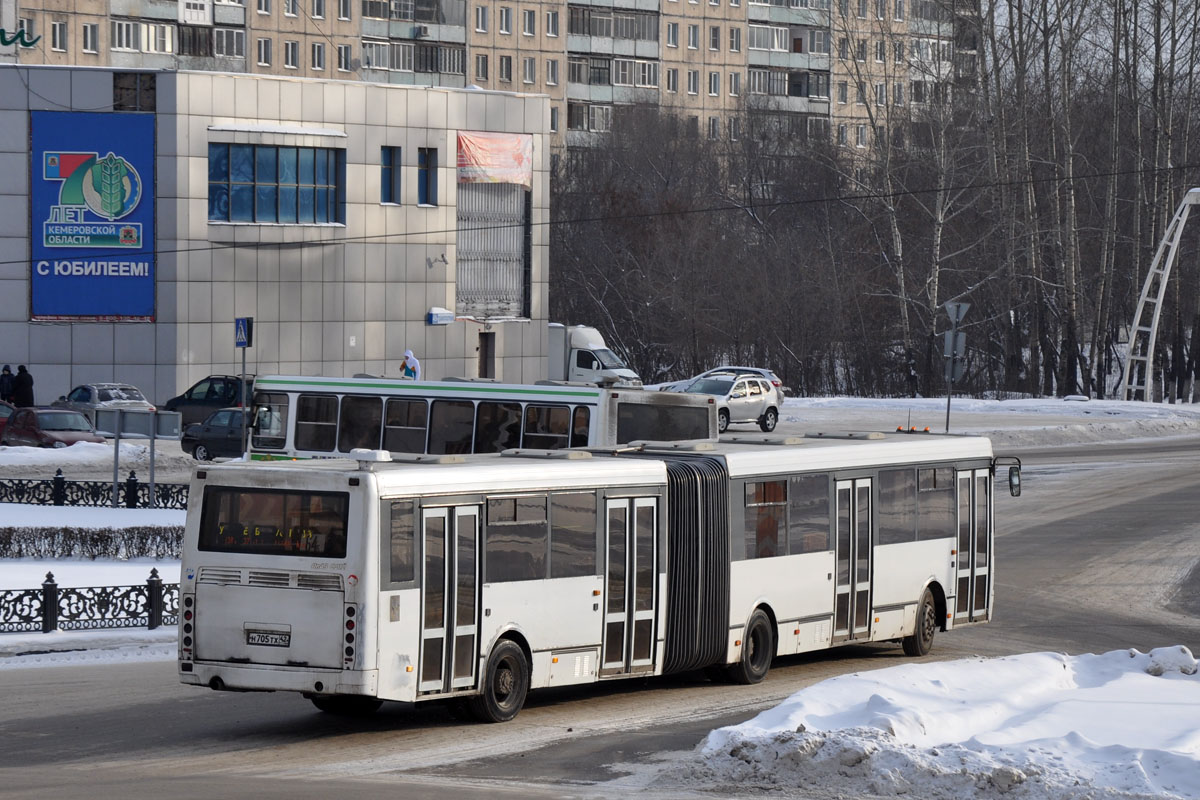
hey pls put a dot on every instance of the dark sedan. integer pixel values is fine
(218, 436)
(48, 427)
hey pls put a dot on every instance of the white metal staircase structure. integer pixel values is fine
(1137, 383)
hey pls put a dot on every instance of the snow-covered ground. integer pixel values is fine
(1042, 725)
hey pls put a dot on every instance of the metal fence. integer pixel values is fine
(50, 608)
(58, 491)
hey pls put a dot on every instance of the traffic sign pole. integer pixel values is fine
(956, 347)
(243, 337)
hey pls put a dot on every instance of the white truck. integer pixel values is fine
(578, 354)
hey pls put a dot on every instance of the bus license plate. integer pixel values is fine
(269, 638)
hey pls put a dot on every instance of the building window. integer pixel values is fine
(505, 19)
(842, 92)
(291, 55)
(735, 40)
(264, 6)
(58, 36)
(345, 54)
(898, 52)
(25, 25)
(881, 94)
(714, 38)
(529, 69)
(91, 37)
(818, 41)
(554, 119)
(264, 52)
(862, 8)
(693, 77)
(268, 183)
(389, 175)
(528, 22)
(860, 52)
(343, 9)
(552, 71)
(860, 135)
(402, 57)
(714, 128)
(124, 35)
(229, 42)
(481, 19)
(290, 8)
(841, 134)
(899, 12)
(735, 84)
(880, 9)
(860, 93)
(318, 56)
(427, 164)
(158, 38)
(506, 68)
(600, 118)
(735, 129)
(767, 37)
(673, 80)
(481, 70)
(318, 9)
(552, 23)
(693, 37)
(672, 34)
(880, 51)
(898, 94)
(714, 84)
(375, 55)
(199, 40)
(843, 48)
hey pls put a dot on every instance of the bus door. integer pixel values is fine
(449, 598)
(852, 589)
(630, 585)
(974, 546)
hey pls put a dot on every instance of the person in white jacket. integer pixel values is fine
(412, 367)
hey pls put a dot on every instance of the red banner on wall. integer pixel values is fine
(485, 157)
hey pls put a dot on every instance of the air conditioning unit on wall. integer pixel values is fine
(420, 31)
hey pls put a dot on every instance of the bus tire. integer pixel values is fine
(347, 705)
(758, 649)
(505, 684)
(921, 642)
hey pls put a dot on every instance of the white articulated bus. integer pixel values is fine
(306, 417)
(476, 578)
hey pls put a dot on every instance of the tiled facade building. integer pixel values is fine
(838, 69)
(144, 211)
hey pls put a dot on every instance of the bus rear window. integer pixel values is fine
(653, 422)
(273, 522)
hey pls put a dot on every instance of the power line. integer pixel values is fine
(643, 215)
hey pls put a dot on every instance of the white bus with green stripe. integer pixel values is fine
(313, 417)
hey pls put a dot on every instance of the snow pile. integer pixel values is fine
(1041, 725)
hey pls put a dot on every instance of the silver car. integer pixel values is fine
(740, 399)
(87, 397)
(732, 372)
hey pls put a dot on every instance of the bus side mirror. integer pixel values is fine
(1014, 480)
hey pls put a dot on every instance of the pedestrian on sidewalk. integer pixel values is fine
(6, 384)
(412, 367)
(22, 388)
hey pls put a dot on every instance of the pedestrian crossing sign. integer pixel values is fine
(243, 335)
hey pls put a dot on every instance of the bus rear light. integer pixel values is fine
(187, 627)
(349, 624)
(187, 615)
(187, 641)
(349, 652)
(349, 638)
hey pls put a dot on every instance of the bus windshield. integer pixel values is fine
(273, 522)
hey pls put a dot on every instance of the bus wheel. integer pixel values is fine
(921, 642)
(347, 705)
(758, 648)
(505, 684)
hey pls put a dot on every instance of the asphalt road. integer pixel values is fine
(1099, 553)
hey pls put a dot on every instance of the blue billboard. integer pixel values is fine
(92, 215)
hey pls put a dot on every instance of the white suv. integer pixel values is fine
(741, 399)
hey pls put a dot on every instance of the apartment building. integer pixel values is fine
(841, 70)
